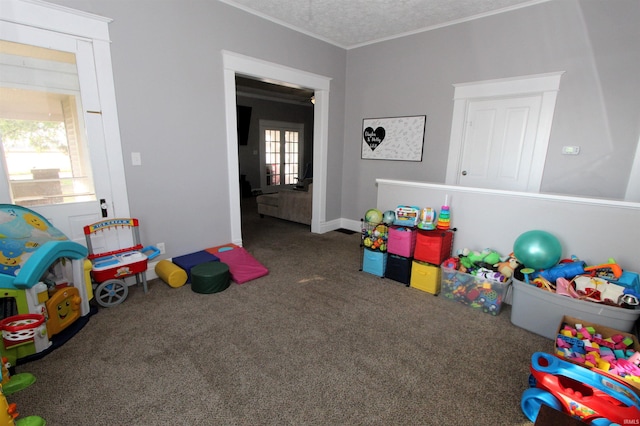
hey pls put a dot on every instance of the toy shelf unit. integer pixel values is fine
(116, 253)
(44, 285)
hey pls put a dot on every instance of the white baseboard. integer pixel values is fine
(341, 223)
(151, 269)
(350, 224)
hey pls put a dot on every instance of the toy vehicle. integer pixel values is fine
(582, 393)
(110, 266)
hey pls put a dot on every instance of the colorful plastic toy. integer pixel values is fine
(582, 393)
(43, 275)
(407, 216)
(111, 263)
(444, 219)
(11, 384)
(9, 414)
(427, 219)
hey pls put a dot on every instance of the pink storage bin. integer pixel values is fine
(401, 241)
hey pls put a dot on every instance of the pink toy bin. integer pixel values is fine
(402, 241)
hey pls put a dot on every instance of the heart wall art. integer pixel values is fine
(393, 138)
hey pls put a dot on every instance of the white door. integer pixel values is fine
(498, 143)
(54, 154)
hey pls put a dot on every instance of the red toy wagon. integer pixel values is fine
(111, 264)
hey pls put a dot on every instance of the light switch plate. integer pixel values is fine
(136, 159)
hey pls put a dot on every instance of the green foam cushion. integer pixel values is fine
(210, 277)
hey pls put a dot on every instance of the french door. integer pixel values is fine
(54, 150)
(281, 146)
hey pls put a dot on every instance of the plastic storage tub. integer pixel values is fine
(476, 292)
(541, 311)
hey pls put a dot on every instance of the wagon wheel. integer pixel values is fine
(111, 293)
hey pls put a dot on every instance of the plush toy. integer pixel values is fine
(487, 256)
(471, 260)
(507, 267)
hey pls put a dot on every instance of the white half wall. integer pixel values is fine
(592, 229)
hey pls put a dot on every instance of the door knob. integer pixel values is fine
(103, 207)
(464, 173)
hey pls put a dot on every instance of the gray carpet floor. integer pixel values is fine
(315, 342)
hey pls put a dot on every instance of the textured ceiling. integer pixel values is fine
(351, 23)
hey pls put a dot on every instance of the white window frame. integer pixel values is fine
(89, 31)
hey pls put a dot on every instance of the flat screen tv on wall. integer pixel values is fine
(244, 120)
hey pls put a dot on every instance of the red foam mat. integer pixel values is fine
(243, 266)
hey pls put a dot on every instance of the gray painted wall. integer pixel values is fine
(168, 73)
(594, 41)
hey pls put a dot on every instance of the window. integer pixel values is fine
(41, 132)
(281, 149)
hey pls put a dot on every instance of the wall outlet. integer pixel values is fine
(160, 247)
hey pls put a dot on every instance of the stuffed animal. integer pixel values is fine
(507, 267)
(471, 260)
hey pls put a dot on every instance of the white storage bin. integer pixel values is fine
(541, 311)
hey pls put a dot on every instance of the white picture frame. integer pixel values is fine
(393, 138)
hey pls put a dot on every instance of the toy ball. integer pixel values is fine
(373, 216)
(388, 217)
(537, 249)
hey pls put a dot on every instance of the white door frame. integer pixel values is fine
(546, 85)
(236, 63)
(94, 29)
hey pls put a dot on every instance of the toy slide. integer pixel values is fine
(243, 266)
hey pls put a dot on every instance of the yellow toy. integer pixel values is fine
(11, 384)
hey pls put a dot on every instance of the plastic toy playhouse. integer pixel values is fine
(44, 284)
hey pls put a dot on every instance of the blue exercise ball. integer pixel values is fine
(537, 249)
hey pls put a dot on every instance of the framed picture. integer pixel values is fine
(393, 138)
